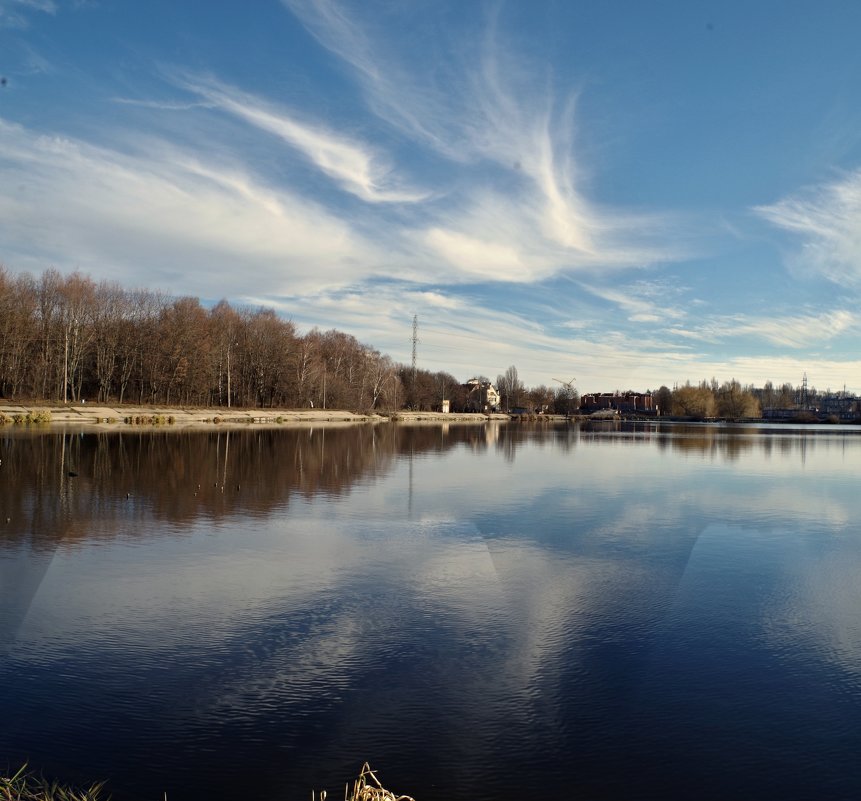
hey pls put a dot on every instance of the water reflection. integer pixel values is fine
(52, 481)
(481, 611)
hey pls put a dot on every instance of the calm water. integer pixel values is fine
(498, 612)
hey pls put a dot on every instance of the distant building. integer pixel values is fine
(774, 413)
(839, 405)
(481, 396)
(621, 402)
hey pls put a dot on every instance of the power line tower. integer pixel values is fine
(415, 343)
(415, 348)
(804, 399)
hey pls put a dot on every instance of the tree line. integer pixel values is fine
(710, 399)
(733, 400)
(68, 338)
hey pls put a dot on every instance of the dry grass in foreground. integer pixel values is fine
(366, 788)
(25, 786)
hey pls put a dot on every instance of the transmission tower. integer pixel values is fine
(415, 342)
(415, 345)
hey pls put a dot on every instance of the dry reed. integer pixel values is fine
(24, 786)
(366, 788)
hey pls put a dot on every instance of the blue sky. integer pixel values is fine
(630, 193)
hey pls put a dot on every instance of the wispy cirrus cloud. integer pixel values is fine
(827, 219)
(477, 108)
(489, 258)
(355, 166)
(160, 215)
(642, 301)
(796, 331)
(800, 331)
(162, 105)
(392, 90)
(16, 13)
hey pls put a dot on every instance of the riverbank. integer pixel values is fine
(108, 416)
(24, 786)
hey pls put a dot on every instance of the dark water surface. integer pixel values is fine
(497, 612)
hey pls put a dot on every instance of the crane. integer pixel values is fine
(569, 385)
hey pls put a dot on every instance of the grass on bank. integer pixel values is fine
(24, 786)
(31, 418)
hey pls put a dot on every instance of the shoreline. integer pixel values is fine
(108, 417)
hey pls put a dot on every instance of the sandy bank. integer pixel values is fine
(104, 416)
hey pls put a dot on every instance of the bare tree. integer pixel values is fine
(735, 402)
(510, 388)
(17, 321)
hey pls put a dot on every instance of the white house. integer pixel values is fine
(481, 396)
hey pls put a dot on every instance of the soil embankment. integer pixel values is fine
(106, 416)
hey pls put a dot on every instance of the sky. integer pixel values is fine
(625, 194)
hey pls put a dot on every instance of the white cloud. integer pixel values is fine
(800, 331)
(477, 109)
(163, 213)
(828, 220)
(508, 203)
(479, 258)
(354, 165)
(791, 331)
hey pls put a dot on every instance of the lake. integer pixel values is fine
(501, 611)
